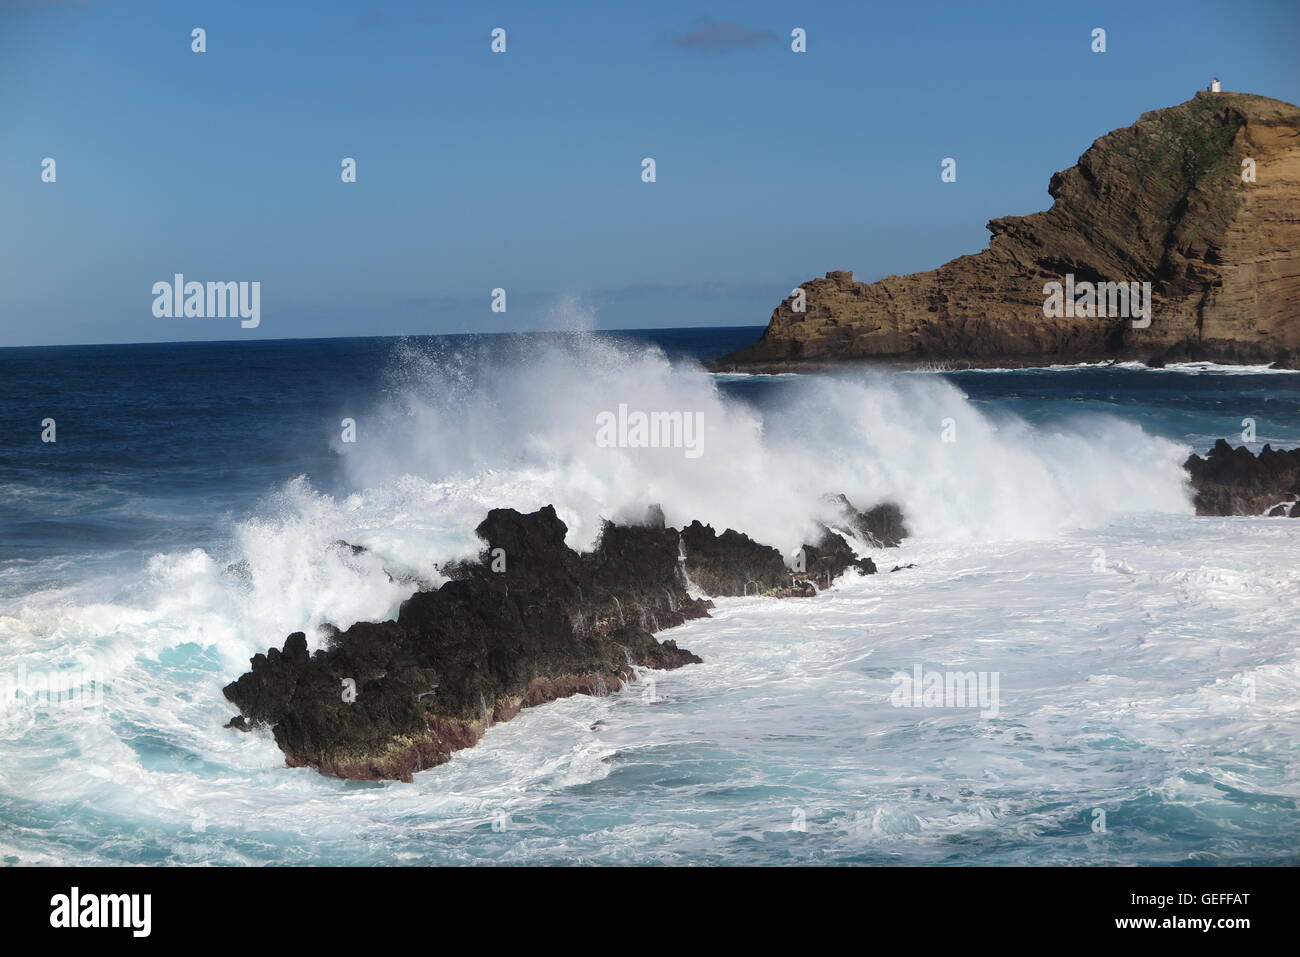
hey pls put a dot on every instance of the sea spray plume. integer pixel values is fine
(510, 421)
(882, 437)
(463, 427)
(527, 429)
(569, 312)
(296, 579)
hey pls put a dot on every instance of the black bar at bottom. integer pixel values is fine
(366, 906)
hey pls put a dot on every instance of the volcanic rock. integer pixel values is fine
(1234, 481)
(525, 625)
(529, 621)
(731, 563)
(882, 526)
(829, 558)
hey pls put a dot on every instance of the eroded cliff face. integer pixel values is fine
(1161, 201)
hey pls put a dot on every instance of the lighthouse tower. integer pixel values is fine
(1214, 85)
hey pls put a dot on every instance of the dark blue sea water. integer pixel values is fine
(162, 444)
(182, 522)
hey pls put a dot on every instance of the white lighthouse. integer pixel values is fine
(1214, 85)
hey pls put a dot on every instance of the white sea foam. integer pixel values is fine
(1118, 685)
(521, 433)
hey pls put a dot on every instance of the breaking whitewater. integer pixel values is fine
(1135, 687)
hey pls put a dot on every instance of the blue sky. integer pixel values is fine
(522, 170)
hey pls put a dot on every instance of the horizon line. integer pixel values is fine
(395, 335)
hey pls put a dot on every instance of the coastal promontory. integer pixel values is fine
(1196, 206)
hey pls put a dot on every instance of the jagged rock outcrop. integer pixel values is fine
(828, 559)
(1161, 201)
(731, 563)
(882, 526)
(734, 564)
(1234, 481)
(529, 622)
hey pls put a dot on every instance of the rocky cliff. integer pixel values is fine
(1167, 201)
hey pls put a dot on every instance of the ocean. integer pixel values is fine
(1145, 659)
